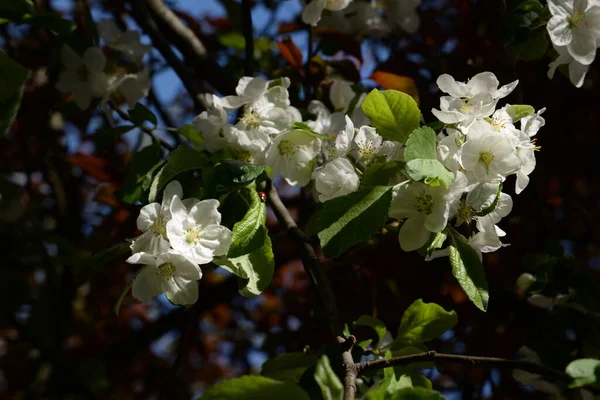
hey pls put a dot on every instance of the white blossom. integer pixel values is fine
(198, 234)
(404, 14)
(575, 24)
(250, 90)
(340, 142)
(170, 273)
(367, 144)
(83, 76)
(312, 11)
(336, 178)
(577, 70)
(212, 123)
(127, 42)
(292, 154)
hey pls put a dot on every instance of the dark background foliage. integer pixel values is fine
(59, 336)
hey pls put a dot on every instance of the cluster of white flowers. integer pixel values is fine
(575, 33)
(377, 17)
(312, 11)
(85, 76)
(177, 236)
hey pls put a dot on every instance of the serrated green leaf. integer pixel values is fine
(494, 204)
(431, 172)
(331, 387)
(352, 219)
(394, 114)
(139, 174)
(518, 111)
(585, 371)
(253, 388)
(180, 160)
(256, 268)
(416, 393)
(288, 366)
(421, 144)
(140, 113)
(190, 133)
(422, 322)
(249, 233)
(377, 325)
(380, 174)
(468, 269)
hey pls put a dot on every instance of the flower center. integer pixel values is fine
(486, 157)
(499, 123)
(159, 227)
(287, 147)
(192, 234)
(166, 271)
(424, 203)
(465, 212)
(82, 73)
(576, 20)
(466, 108)
(251, 119)
(367, 151)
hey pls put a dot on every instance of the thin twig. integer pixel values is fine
(248, 36)
(460, 359)
(310, 260)
(350, 370)
(149, 131)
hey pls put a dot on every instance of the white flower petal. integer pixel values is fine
(146, 285)
(413, 235)
(312, 12)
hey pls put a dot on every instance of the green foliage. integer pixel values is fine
(329, 383)
(233, 40)
(254, 388)
(421, 160)
(585, 371)
(352, 219)
(12, 81)
(288, 366)
(524, 29)
(106, 136)
(138, 179)
(22, 12)
(180, 160)
(468, 269)
(249, 233)
(421, 145)
(255, 268)
(394, 114)
(416, 393)
(377, 325)
(518, 111)
(112, 253)
(140, 114)
(190, 133)
(380, 174)
(423, 322)
(436, 241)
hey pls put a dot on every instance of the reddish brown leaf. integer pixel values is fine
(290, 52)
(95, 167)
(387, 80)
(288, 27)
(106, 195)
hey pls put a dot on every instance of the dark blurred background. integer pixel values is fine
(59, 336)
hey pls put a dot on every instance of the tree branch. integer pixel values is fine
(460, 359)
(310, 260)
(350, 369)
(248, 36)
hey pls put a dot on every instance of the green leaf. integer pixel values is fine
(380, 174)
(492, 206)
(190, 133)
(253, 388)
(139, 175)
(249, 233)
(436, 242)
(423, 322)
(518, 111)
(421, 144)
(139, 114)
(431, 172)
(54, 22)
(232, 39)
(15, 7)
(12, 81)
(584, 371)
(231, 173)
(106, 136)
(394, 114)
(416, 393)
(331, 387)
(8, 110)
(352, 219)
(468, 269)
(180, 160)
(376, 324)
(256, 268)
(288, 366)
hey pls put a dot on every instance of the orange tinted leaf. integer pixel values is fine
(106, 195)
(387, 80)
(290, 52)
(288, 27)
(95, 167)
